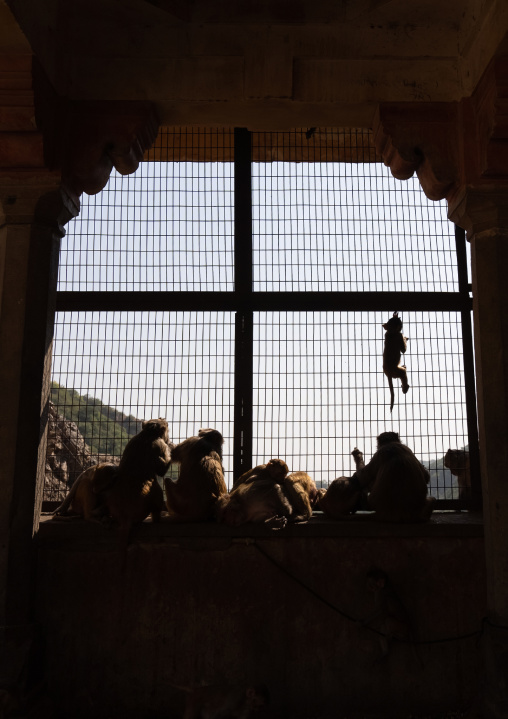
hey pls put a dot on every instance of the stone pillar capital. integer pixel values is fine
(480, 210)
(458, 150)
(36, 199)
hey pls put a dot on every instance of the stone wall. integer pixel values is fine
(207, 604)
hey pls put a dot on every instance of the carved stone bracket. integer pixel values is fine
(452, 147)
(85, 140)
(421, 138)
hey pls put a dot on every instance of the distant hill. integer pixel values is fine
(105, 429)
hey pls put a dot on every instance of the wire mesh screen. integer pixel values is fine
(320, 391)
(338, 226)
(169, 226)
(327, 218)
(111, 370)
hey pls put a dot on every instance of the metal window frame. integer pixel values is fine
(243, 301)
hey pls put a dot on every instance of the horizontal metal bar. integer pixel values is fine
(262, 301)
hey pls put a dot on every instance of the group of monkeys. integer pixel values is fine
(393, 484)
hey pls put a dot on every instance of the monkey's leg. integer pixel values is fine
(156, 499)
(401, 374)
(89, 501)
(428, 508)
(173, 502)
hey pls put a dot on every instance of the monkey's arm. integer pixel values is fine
(358, 458)
(299, 500)
(367, 474)
(163, 458)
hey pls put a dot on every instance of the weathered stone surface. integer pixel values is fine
(67, 455)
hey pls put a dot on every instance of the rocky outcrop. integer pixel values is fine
(67, 455)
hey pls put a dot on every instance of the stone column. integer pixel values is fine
(460, 152)
(33, 210)
(43, 172)
(484, 213)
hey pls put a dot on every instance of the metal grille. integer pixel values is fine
(342, 227)
(319, 391)
(240, 281)
(169, 226)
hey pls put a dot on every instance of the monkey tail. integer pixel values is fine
(62, 509)
(392, 394)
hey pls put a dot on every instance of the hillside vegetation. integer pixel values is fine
(105, 429)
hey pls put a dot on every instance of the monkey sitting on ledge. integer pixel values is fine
(394, 480)
(457, 461)
(267, 494)
(275, 469)
(345, 495)
(193, 496)
(127, 492)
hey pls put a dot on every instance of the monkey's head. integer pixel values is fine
(394, 324)
(456, 459)
(387, 438)
(214, 438)
(277, 469)
(257, 697)
(156, 428)
(341, 497)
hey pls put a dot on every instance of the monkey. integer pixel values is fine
(390, 616)
(457, 461)
(275, 469)
(395, 344)
(302, 494)
(136, 492)
(127, 492)
(192, 497)
(225, 701)
(396, 482)
(87, 495)
(345, 495)
(260, 501)
(269, 502)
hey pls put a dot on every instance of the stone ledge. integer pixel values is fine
(76, 532)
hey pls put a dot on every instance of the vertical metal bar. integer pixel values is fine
(242, 441)
(469, 372)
